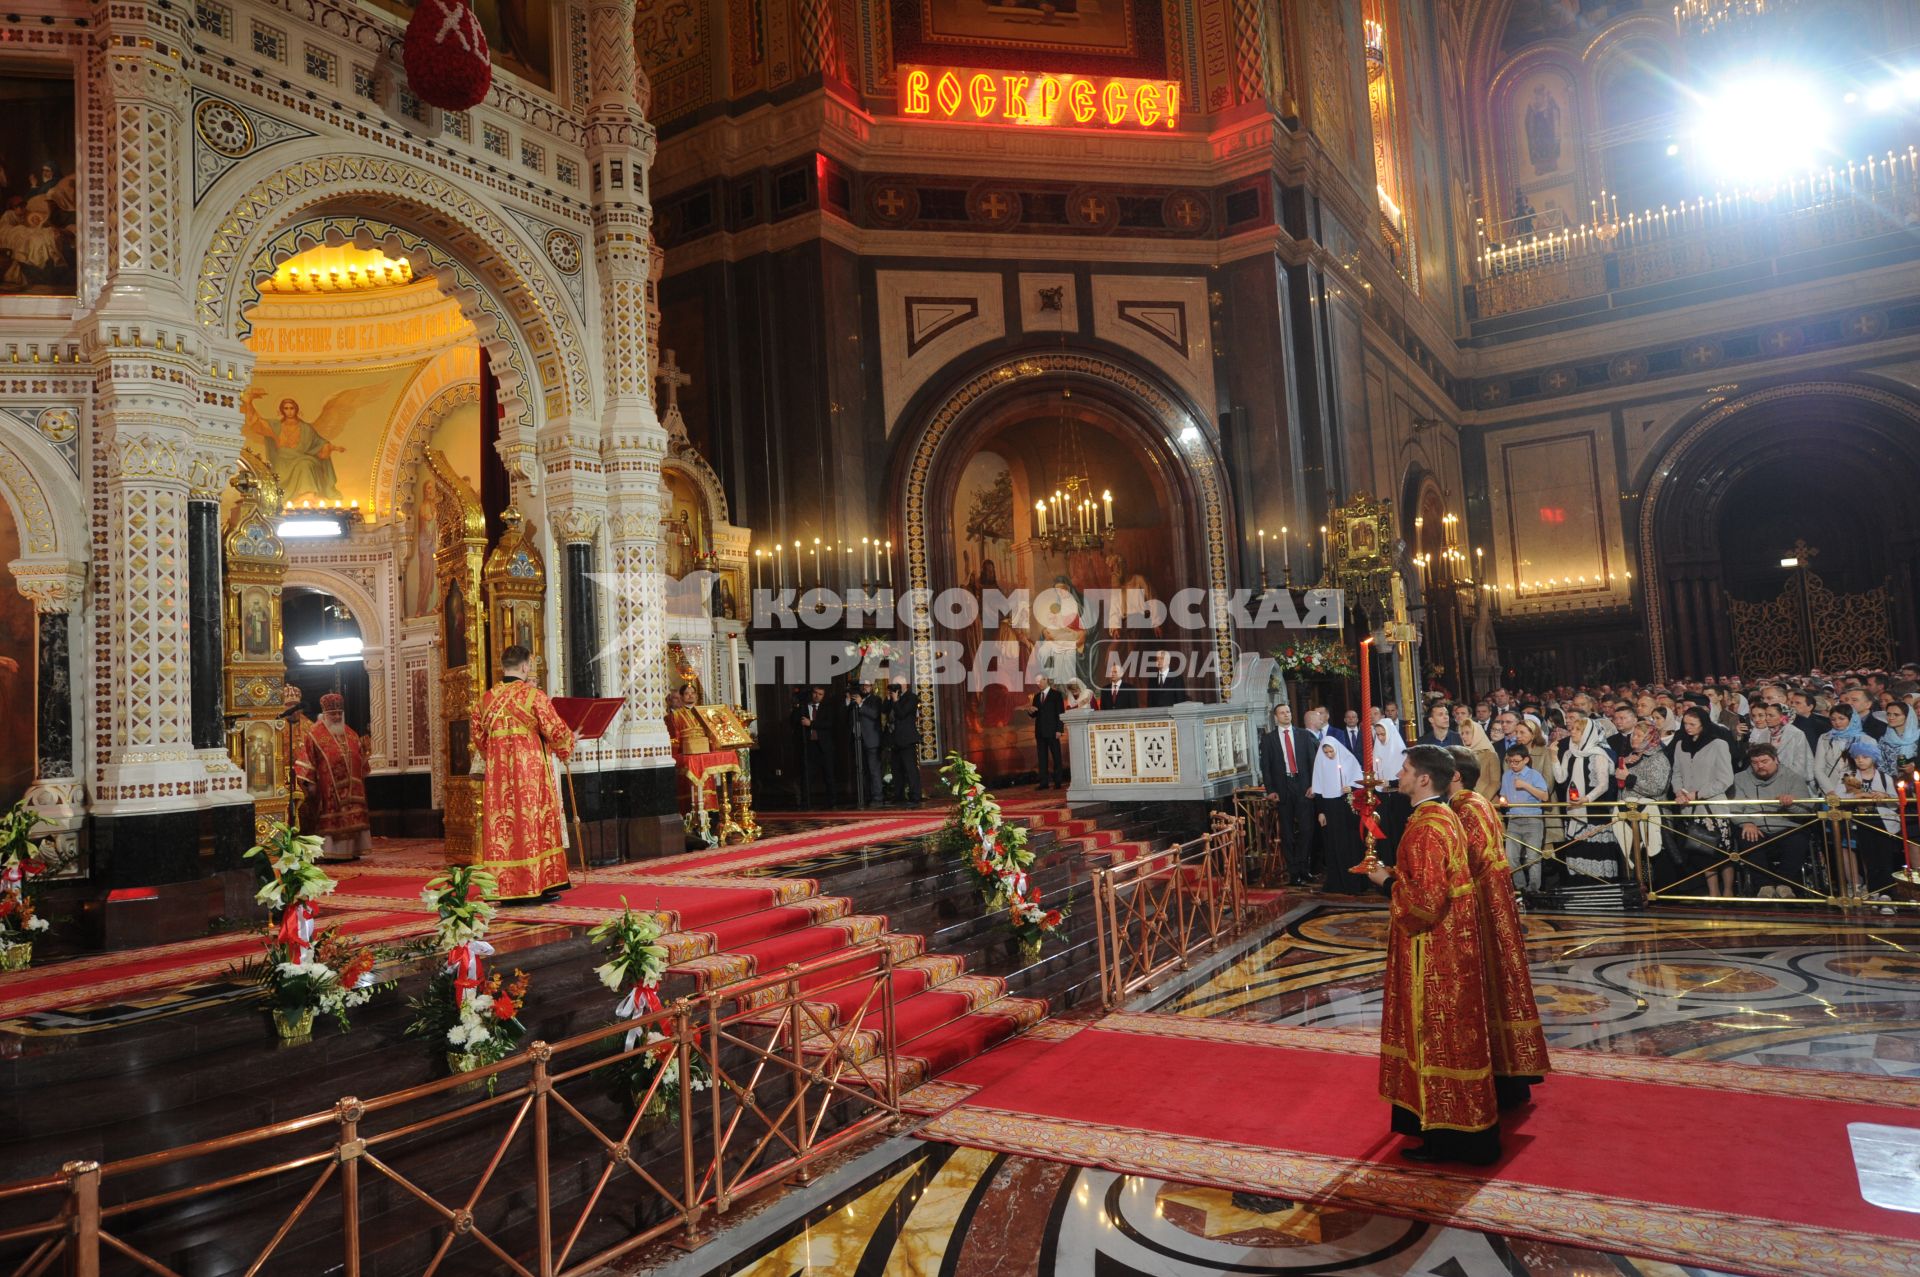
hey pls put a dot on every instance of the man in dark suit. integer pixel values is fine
(864, 710)
(1348, 733)
(1813, 726)
(1286, 769)
(1047, 707)
(1116, 692)
(1621, 741)
(1163, 689)
(814, 735)
(905, 741)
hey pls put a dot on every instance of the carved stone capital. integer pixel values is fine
(54, 585)
(574, 525)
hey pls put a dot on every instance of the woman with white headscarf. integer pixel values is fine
(1584, 774)
(1389, 751)
(1335, 772)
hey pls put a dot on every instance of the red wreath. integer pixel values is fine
(446, 55)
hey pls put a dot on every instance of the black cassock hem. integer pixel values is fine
(1478, 1148)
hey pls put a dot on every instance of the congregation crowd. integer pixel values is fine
(1678, 775)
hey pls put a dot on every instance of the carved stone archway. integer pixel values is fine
(1167, 427)
(1686, 486)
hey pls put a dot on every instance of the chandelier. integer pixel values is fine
(1072, 519)
(1375, 37)
(1702, 18)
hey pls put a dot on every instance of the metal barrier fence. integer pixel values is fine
(775, 1064)
(1828, 852)
(1153, 914)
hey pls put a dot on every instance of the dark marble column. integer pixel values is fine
(55, 700)
(582, 617)
(203, 621)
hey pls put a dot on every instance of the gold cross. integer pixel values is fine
(891, 201)
(993, 206)
(1093, 208)
(1186, 212)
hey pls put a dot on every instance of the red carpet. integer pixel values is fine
(100, 977)
(1716, 1165)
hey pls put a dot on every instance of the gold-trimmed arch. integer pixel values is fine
(428, 204)
(450, 379)
(1188, 437)
(1712, 413)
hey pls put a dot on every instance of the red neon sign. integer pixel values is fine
(1037, 99)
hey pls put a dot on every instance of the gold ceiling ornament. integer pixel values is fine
(1703, 18)
(340, 268)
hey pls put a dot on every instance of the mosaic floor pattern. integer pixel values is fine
(1787, 993)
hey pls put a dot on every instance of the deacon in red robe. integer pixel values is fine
(331, 768)
(1435, 1068)
(515, 729)
(298, 725)
(1514, 1034)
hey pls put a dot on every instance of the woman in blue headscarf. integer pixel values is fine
(1830, 762)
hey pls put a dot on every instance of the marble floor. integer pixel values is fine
(1794, 993)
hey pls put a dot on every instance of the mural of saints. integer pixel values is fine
(300, 450)
(1543, 131)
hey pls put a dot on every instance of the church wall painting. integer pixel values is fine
(1532, 20)
(1113, 37)
(320, 431)
(17, 672)
(993, 547)
(38, 186)
(1543, 126)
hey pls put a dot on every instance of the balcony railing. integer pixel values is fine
(1615, 253)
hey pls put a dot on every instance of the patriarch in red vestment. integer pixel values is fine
(331, 768)
(515, 729)
(1514, 1033)
(1435, 1066)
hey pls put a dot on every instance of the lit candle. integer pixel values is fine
(1366, 708)
(1106, 498)
(889, 563)
(1040, 518)
(1263, 552)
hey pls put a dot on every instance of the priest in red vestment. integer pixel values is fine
(1435, 1068)
(1514, 1034)
(515, 729)
(331, 768)
(298, 725)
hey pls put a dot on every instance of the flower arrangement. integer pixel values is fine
(469, 1016)
(997, 853)
(20, 863)
(1315, 656)
(873, 653)
(638, 960)
(304, 974)
(332, 979)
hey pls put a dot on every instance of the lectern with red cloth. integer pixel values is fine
(589, 717)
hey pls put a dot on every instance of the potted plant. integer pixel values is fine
(637, 961)
(332, 977)
(470, 1018)
(20, 863)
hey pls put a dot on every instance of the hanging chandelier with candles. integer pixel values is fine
(1072, 518)
(1703, 18)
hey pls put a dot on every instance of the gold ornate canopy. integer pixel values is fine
(458, 563)
(516, 585)
(256, 668)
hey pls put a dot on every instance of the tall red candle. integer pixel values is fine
(1366, 707)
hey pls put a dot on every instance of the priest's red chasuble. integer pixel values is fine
(1433, 1023)
(515, 728)
(332, 770)
(1514, 1034)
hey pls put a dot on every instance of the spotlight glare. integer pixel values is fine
(1911, 84)
(1880, 97)
(1673, 148)
(1759, 129)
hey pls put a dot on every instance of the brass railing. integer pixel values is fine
(1674, 853)
(1153, 914)
(776, 1060)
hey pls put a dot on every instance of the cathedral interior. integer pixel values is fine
(356, 346)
